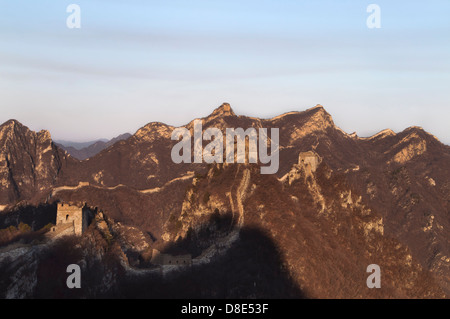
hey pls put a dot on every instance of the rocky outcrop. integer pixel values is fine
(29, 162)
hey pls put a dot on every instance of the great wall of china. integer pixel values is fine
(222, 245)
(236, 195)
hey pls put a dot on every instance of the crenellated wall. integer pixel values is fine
(71, 219)
(166, 259)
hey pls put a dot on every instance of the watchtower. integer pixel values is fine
(310, 160)
(73, 214)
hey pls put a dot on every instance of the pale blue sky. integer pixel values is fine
(133, 62)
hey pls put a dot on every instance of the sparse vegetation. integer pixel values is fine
(199, 176)
(175, 224)
(206, 197)
(24, 228)
(22, 233)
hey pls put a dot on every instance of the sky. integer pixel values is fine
(134, 62)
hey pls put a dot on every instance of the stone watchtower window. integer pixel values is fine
(67, 217)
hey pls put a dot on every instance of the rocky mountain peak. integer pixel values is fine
(312, 121)
(319, 111)
(11, 130)
(153, 130)
(44, 135)
(223, 110)
(10, 125)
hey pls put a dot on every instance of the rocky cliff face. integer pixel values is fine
(29, 162)
(383, 199)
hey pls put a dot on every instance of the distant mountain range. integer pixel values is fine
(79, 145)
(85, 150)
(303, 232)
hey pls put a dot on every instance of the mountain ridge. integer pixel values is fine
(391, 186)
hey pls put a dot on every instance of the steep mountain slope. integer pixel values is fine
(29, 162)
(325, 241)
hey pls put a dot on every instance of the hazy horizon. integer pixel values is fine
(70, 142)
(139, 61)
